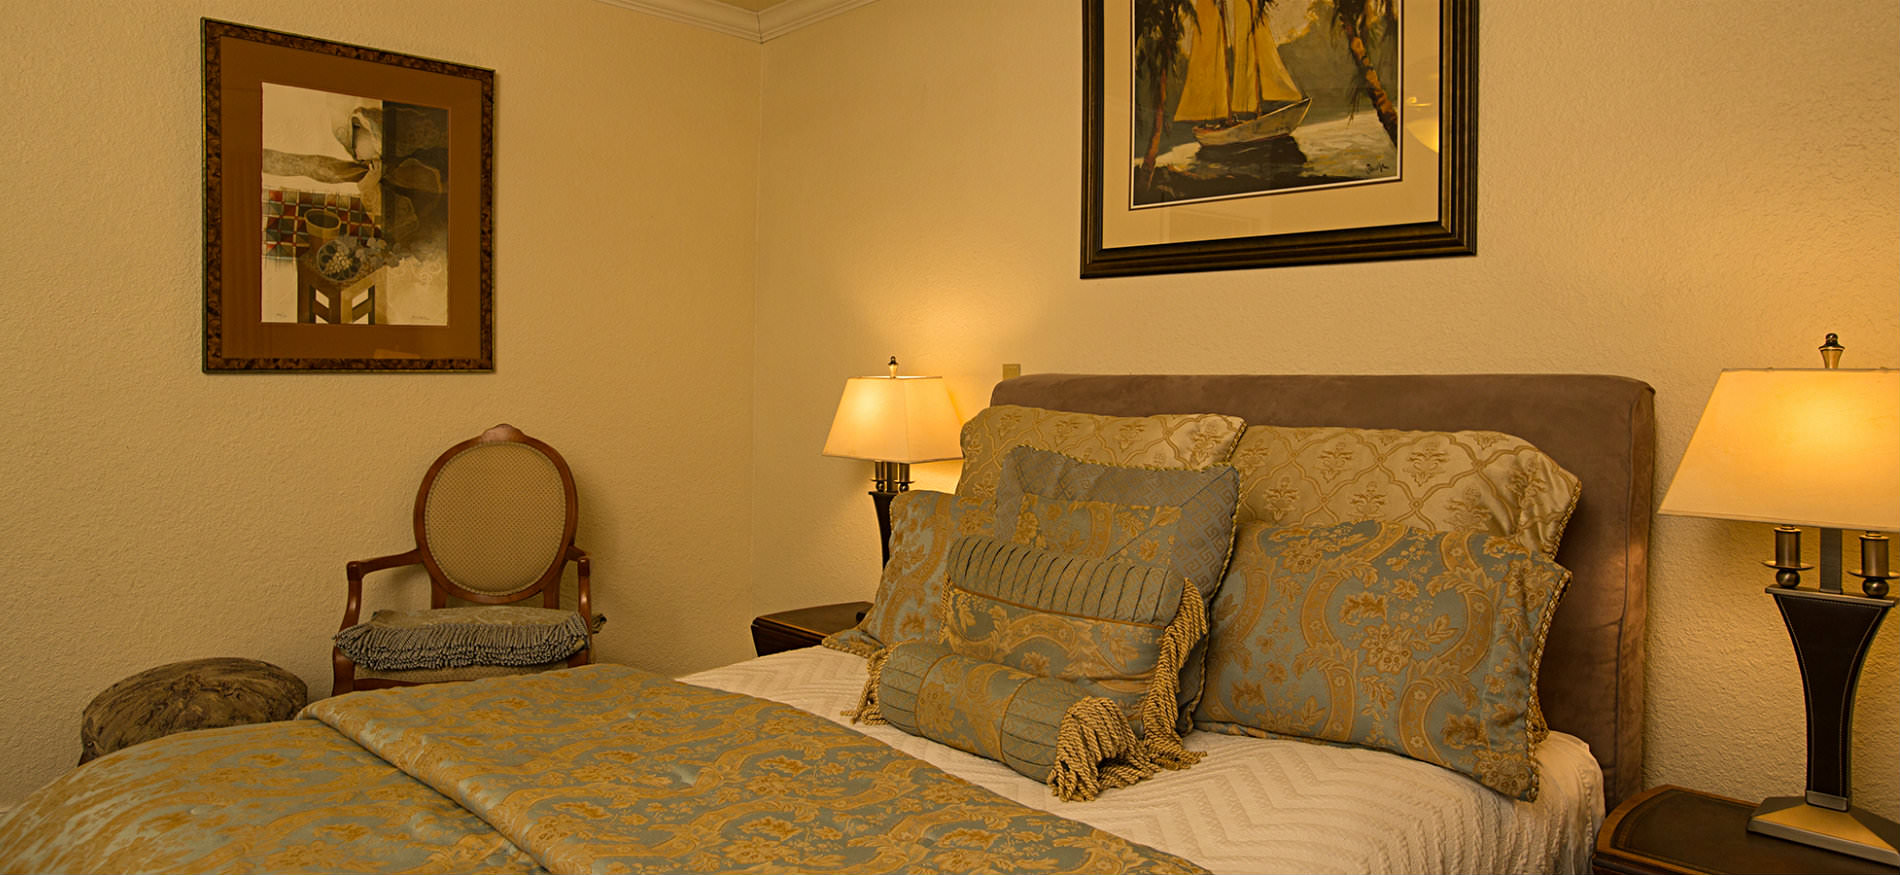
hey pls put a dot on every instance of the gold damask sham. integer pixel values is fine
(1046, 729)
(1442, 481)
(1177, 441)
(1377, 634)
(923, 524)
(594, 769)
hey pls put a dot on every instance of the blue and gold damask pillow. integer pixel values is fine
(1182, 520)
(1377, 634)
(1047, 729)
(1118, 630)
(1188, 441)
(910, 593)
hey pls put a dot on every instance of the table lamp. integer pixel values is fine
(894, 421)
(1821, 448)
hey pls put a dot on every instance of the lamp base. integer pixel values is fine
(1852, 832)
(881, 501)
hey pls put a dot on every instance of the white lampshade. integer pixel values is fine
(1803, 447)
(895, 419)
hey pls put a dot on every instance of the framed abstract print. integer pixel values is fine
(1222, 134)
(348, 207)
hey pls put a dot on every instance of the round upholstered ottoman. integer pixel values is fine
(195, 694)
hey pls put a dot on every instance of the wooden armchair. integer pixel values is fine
(494, 525)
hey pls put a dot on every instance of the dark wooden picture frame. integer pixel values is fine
(416, 204)
(1318, 239)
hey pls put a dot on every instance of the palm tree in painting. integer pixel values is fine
(1159, 27)
(1354, 19)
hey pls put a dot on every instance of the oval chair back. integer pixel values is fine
(494, 519)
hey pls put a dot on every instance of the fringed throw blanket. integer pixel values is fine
(601, 768)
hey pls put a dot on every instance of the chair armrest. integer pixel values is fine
(352, 610)
(360, 567)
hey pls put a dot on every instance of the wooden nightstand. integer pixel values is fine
(1671, 829)
(805, 627)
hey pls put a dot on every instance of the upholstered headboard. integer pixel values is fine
(1600, 428)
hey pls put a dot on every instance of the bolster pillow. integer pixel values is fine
(1047, 729)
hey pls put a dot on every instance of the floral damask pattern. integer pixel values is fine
(1138, 533)
(1443, 481)
(990, 710)
(601, 768)
(1379, 634)
(923, 524)
(1096, 623)
(1091, 507)
(1182, 519)
(1189, 441)
(273, 797)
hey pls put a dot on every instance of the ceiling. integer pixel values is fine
(759, 20)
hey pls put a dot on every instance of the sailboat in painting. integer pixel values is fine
(1247, 102)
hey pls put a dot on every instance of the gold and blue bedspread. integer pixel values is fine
(594, 769)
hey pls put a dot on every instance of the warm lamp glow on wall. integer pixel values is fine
(1814, 448)
(894, 422)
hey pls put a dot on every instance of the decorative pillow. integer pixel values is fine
(1183, 520)
(1442, 481)
(1422, 643)
(910, 593)
(1118, 630)
(1047, 729)
(458, 637)
(1173, 441)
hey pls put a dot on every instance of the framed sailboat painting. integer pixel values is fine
(1223, 134)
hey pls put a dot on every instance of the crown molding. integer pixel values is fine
(790, 15)
(774, 22)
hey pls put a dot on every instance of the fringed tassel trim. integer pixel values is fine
(867, 710)
(855, 648)
(1161, 706)
(1095, 751)
(453, 645)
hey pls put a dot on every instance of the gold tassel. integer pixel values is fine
(867, 711)
(1160, 707)
(1096, 751)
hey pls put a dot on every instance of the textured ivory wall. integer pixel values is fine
(1667, 189)
(155, 513)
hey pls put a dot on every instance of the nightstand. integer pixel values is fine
(804, 627)
(1671, 829)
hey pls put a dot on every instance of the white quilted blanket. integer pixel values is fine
(1264, 805)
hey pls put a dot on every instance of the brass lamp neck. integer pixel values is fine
(891, 476)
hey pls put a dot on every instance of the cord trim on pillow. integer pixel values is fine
(839, 641)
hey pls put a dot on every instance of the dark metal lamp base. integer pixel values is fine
(1853, 832)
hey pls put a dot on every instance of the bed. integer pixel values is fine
(755, 765)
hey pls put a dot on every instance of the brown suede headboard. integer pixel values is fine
(1600, 428)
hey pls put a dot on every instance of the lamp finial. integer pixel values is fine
(893, 364)
(1831, 350)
